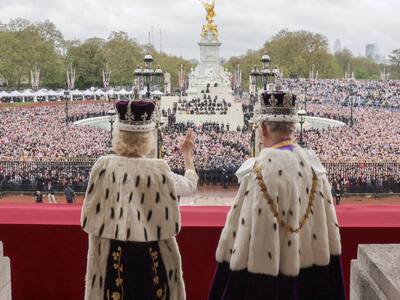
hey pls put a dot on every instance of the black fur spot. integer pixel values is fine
(84, 222)
(149, 214)
(128, 233)
(289, 243)
(148, 181)
(176, 227)
(121, 213)
(259, 211)
(166, 213)
(307, 190)
(113, 176)
(130, 197)
(277, 199)
(125, 178)
(158, 232)
(301, 163)
(336, 225)
(322, 195)
(269, 160)
(142, 200)
(329, 201)
(99, 249)
(280, 172)
(300, 174)
(137, 181)
(91, 188)
(290, 212)
(299, 200)
(312, 212)
(242, 221)
(234, 234)
(233, 251)
(116, 231)
(314, 236)
(101, 230)
(112, 212)
(246, 193)
(107, 192)
(172, 196)
(118, 197)
(145, 234)
(93, 279)
(283, 212)
(234, 207)
(275, 226)
(270, 255)
(163, 179)
(138, 215)
(170, 274)
(101, 282)
(102, 172)
(157, 197)
(176, 275)
(230, 250)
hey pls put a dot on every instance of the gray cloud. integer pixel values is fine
(243, 24)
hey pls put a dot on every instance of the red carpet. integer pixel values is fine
(48, 249)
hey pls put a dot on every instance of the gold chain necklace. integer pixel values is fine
(274, 208)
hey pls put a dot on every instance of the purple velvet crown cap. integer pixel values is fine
(139, 108)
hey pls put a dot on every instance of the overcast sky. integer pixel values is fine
(243, 24)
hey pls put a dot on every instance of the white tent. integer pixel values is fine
(99, 92)
(16, 94)
(124, 92)
(4, 94)
(87, 93)
(157, 93)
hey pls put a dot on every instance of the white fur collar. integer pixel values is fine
(252, 238)
(131, 199)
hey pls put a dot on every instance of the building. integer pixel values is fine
(337, 46)
(370, 50)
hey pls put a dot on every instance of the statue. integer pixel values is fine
(210, 11)
(210, 26)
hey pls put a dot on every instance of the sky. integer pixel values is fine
(243, 24)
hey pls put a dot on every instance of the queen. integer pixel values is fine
(131, 213)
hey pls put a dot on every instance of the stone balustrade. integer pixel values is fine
(5, 276)
(375, 274)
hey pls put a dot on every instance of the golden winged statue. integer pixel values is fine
(210, 26)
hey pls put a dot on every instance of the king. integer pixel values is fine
(281, 238)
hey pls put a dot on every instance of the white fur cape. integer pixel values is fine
(131, 199)
(252, 238)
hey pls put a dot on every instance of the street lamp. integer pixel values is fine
(111, 118)
(302, 118)
(264, 74)
(148, 75)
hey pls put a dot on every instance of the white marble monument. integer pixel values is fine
(209, 70)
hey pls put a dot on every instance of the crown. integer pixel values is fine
(278, 106)
(135, 115)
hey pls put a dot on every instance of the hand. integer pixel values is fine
(188, 143)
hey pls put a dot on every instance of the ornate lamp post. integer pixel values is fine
(111, 118)
(70, 86)
(148, 76)
(264, 75)
(302, 118)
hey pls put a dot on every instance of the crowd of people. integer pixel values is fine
(371, 137)
(205, 106)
